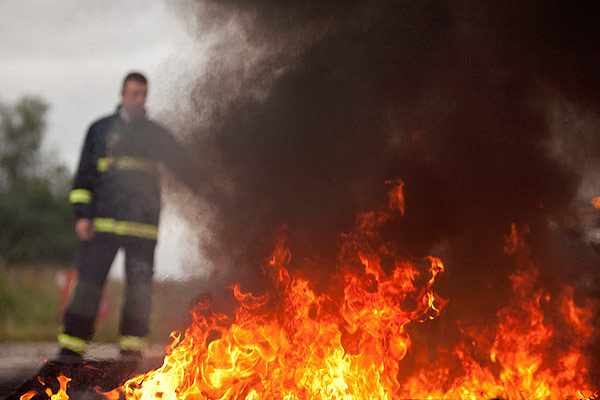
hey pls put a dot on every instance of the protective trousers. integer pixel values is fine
(93, 263)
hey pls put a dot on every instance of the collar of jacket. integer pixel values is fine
(121, 113)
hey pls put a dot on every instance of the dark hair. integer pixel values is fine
(134, 76)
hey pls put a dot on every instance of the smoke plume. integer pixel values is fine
(306, 109)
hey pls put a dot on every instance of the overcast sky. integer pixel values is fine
(74, 55)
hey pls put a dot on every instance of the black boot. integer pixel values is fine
(131, 355)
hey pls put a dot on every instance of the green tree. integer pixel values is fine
(21, 127)
(36, 220)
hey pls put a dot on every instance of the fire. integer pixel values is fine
(350, 341)
(61, 393)
(532, 358)
(297, 344)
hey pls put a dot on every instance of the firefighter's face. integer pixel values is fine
(133, 97)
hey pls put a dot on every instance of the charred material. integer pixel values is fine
(88, 379)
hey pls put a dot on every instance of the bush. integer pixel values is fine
(35, 215)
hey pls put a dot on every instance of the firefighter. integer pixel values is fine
(116, 200)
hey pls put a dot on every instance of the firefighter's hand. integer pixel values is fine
(85, 229)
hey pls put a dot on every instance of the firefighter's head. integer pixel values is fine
(133, 93)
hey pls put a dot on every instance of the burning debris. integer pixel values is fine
(83, 380)
(350, 341)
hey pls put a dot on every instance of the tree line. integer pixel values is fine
(36, 222)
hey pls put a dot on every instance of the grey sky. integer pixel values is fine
(74, 55)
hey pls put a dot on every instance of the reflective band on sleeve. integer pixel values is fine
(126, 163)
(135, 164)
(83, 196)
(133, 343)
(102, 164)
(72, 343)
(126, 228)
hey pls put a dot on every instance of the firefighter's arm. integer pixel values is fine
(81, 194)
(180, 163)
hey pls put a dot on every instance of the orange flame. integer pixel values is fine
(61, 394)
(532, 359)
(300, 352)
(396, 195)
(30, 394)
(297, 344)
(350, 342)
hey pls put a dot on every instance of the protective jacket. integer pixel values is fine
(116, 184)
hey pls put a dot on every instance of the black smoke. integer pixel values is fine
(340, 96)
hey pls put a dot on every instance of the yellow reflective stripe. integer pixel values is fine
(80, 196)
(136, 164)
(102, 164)
(104, 224)
(126, 163)
(136, 229)
(73, 343)
(126, 228)
(134, 343)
